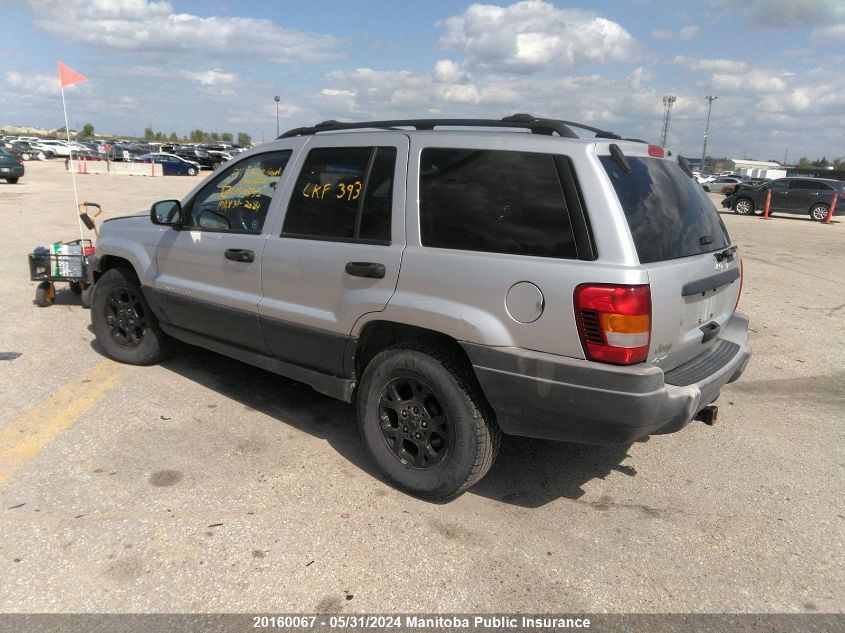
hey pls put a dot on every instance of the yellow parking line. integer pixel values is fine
(27, 435)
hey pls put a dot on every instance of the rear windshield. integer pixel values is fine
(669, 214)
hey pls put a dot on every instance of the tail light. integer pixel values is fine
(741, 279)
(20, 160)
(614, 322)
(656, 151)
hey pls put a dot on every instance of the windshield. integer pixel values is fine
(668, 213)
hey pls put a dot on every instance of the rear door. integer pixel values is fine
(683, 245)
(335, 255)
(802, 193)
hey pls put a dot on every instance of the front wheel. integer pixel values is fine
(744, 206)
(425, 421)
(192, 171)
(122, 320)
(819, 212)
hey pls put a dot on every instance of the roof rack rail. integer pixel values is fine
(521, 121)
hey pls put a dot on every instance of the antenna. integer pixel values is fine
(668, 102)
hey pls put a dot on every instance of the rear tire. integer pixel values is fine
(819, 212)
(425, 420)
(125, 327)
(744, 206)
(12, 181)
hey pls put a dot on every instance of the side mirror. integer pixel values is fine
(166, 213)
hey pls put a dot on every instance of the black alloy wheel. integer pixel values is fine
(414, 423)
(125, 317)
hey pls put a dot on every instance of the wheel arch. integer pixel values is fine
(377, 335)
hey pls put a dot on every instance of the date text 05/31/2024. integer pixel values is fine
(419, 622)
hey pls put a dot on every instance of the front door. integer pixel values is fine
(335, 254)
(780, 196)
(209, 272)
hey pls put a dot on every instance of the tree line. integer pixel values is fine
(196, 136)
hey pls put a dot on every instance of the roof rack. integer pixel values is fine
(521, 121)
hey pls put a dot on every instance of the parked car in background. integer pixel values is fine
(812, 196)
(11, 166)
(86, 154)
(171, 164)
(724, 184)
(206, 160)
(27, 150)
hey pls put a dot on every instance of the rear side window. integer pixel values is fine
(668, 213)
(494, 201)
(810, 185)
(343, 194)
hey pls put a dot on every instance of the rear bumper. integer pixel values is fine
(542, 395)
(11, 171)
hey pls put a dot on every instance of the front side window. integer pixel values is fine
(494, 201)
(238, 199)
(345, 194)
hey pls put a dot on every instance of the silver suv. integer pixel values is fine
(455, 279)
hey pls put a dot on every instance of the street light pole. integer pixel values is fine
(710, 101)
(277, 98)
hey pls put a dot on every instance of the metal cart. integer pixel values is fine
(65, 261)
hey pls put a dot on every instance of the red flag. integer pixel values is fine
(68, 76)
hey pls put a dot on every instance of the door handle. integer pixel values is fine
(240, 255)
(365, 269)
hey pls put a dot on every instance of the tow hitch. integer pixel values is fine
(708, 415)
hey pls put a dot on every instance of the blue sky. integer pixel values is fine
(776, 66)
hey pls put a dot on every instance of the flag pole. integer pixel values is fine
(73, 174)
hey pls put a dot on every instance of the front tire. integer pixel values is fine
(819, 212)
(192, 171)
(744, 206)
(425, 421)
(125, 327)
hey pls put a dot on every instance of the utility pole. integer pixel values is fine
(668, 102)
(277, 98)
(710, 101)
(785, 154)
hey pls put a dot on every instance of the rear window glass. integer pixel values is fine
(668, 213)
(494, 201)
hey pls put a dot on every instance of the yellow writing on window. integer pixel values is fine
(345, 191)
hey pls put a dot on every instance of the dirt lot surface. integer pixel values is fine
(204, 484)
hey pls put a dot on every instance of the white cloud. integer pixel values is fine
(214, 77)
(534, 35)
(152, 27)
(755, 81)
(685, 33)
(726, 66)
(44, 85)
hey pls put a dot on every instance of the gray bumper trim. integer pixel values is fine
(555, 397)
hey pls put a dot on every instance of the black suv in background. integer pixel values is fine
(812, 196)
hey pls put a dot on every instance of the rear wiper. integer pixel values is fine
(727, 254)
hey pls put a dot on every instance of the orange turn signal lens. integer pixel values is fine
(626, 323)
